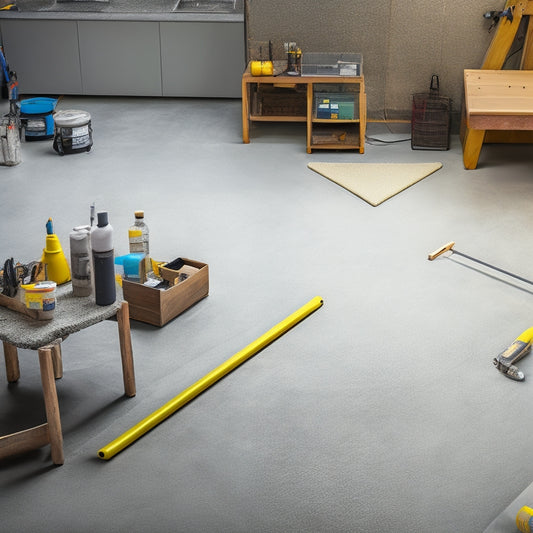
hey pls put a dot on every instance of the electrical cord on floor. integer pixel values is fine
(373, 140)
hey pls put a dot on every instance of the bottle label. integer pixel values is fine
(136, 241)
(80, 266)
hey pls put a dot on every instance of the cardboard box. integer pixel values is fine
(156, 306)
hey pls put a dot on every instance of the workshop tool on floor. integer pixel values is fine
(10, 124)
(137, 431)
(10, 153)
(36, 118)
(505, 362)
(524, 520)
(449, 248)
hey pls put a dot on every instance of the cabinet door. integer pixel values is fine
(202, 59)
(120, 58)
(44, 54)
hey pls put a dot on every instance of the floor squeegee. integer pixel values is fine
(505, 361)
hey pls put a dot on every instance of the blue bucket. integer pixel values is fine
(36, 118)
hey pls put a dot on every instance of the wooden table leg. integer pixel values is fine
(472, 143)
(57, 360)
(51, 404)
(245, 113)
(126, 352)
(12, 362)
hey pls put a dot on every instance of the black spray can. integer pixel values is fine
(105, 292)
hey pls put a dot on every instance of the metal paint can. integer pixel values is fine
(524, 520)
(41, 296)
(72, 132)
(261, 68)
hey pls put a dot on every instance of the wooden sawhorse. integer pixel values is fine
(495, 100)
(496, 111)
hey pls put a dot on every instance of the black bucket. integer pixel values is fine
(72, 132)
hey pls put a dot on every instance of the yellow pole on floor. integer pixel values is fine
(137, 431)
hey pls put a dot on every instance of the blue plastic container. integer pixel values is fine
(36, 117)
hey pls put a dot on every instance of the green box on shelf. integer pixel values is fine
(346, 111)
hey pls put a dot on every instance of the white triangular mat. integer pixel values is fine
(375, 182)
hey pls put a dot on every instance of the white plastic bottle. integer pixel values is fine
(139, 238)
(105, 292)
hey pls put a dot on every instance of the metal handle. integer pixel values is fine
(435, 86)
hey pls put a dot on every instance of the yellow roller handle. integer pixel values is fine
(526, 336)
(137, 431)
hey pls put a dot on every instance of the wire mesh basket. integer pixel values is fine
(430, 120)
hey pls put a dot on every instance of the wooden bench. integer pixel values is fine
(496, 102)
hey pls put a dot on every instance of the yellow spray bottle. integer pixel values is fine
(57, 268)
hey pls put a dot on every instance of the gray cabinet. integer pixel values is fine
(120, 58)
(44, 54)
(126, 57)
(202, 58)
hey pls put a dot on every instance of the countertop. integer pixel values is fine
(134, 10)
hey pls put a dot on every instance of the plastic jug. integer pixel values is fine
(57, 268)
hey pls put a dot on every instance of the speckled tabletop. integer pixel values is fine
(71, 314)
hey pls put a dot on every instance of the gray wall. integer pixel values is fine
(403, 42)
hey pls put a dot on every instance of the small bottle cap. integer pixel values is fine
(102, 219)
(139, 214)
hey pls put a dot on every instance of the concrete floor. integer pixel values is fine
(382, 411)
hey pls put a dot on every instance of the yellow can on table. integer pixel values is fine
(261, 68)
(40, 296)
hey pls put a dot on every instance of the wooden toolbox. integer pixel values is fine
(156, 306)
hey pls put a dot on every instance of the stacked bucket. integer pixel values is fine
(71, 130)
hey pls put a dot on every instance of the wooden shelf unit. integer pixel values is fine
(284, 98)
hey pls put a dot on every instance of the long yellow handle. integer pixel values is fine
(137, 431)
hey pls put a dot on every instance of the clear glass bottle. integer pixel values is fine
(139, 238)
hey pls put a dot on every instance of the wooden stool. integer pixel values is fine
(50, 361)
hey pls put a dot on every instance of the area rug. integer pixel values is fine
(375, 182)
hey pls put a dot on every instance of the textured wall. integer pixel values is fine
(403, 42)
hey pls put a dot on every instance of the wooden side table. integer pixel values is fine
(72, 314)
(288, 98)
